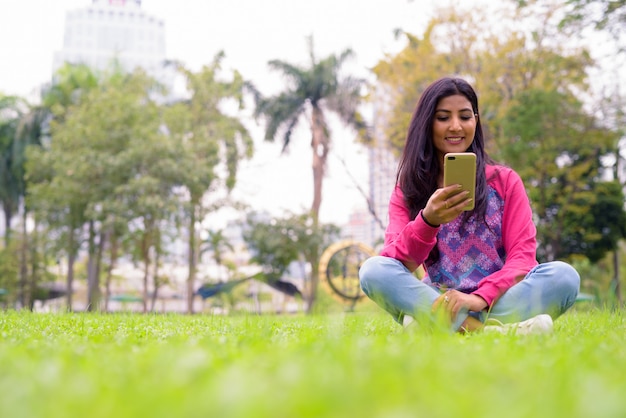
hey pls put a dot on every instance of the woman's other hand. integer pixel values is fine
(452, 301)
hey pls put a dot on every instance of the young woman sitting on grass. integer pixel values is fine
(481, 266)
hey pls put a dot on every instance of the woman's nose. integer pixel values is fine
(455, 124)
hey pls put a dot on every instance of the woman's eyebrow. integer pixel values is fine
(467, 109)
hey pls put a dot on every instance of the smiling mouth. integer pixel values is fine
(455, 139)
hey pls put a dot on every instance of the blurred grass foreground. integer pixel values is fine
(343, 365)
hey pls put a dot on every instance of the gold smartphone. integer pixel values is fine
(460, 168)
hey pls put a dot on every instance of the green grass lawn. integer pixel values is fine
(341, 365)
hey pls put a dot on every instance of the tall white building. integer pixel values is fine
(363, 226)
(382, 169)
(109, 30)
(359, 227)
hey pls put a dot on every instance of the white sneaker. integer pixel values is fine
(540, 324)
(407, 320)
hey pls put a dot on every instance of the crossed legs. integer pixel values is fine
(548, 288)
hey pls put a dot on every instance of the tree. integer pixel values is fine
(272, 243)
(211, 144)
(71, 83)
(313, 92)
(21, 126)
(596, 231)
(557, 149)
(145, 197)
(501, 60)
(276, 243)
(606, 16)
(216, 243)
(95, 165)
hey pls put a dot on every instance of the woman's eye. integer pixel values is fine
(442, 118)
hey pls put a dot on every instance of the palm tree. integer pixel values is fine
(217, 243)
(312, 92)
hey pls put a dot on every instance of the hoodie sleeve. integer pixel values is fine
(518, 236)
(407, 240)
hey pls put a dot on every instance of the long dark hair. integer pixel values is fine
(419, 166)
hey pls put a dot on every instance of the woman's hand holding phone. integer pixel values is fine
(446, 204)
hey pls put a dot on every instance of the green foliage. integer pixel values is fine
(106, 163)
(316, 366)
(209, 138)
(277, 242)
(211, 143)
(54, 193)
(70, 83)
(216, 243)
(597, 230)
(9, 273)
(120, 159)
(595, 278)
(271, 243)
(557, 149)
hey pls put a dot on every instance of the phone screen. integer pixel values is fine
(460, 168)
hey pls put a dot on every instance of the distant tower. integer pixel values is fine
(114, 29)
(382, 167)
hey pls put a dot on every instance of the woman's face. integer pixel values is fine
(454, 125)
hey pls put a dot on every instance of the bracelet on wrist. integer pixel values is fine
(428, 223)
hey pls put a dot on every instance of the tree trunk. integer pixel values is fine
(191, 259)
(34, 267)
(109, 276)
(616, 276)
(315, 269)
(26, 294)
(98, 268)
(616, 285)
(145, 255)
(146, 273)
(320, 146)
(71, 257)
(93, 290)
(8, 215)
(155, 278)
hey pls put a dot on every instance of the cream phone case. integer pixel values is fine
(460, 168)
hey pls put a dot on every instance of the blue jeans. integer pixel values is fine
(549, 288)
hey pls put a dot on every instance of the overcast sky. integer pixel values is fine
(251, 32)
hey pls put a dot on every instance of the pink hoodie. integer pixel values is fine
(481, 257)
